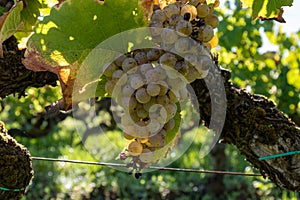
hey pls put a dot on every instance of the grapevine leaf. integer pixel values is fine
(64, 38)
(10, 22)
(267, 10)
(29, 16)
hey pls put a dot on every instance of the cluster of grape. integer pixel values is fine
(194, 19)
(150, 84)
(149, 92)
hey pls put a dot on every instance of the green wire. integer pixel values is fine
(279, 155)
(14, 190)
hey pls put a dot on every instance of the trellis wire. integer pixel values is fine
(150, 167)
(279, 155)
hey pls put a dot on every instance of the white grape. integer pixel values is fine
(171, 9)
(119, 60)
(162, 74)
(153, 89)
(142, 113)
(148, 105)
(145, 67)
(127, 90)
(109, 86)
(136, 81)
(173, 98)
(184, 27)
(110, 69)
(169, 36)
(156, 28)
(181, 67)
(168, 59)
(190, 10)
(159, 16)
(170, 125)
(183, 45)
(128, 64)
(154, 54)
(163, 100)
(171, 109)
(117, 74)
(151, 76)
(141, 58)
(142, 96)
(206, 33)
(174, 19)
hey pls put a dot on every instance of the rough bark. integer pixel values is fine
(14, 77)
(15, 167)
(252, 123)
(257, 128)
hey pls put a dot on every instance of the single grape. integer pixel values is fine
(181, 67)
(127, 90)
(135, 148)
(174, 19)
(163, 100)
(156, 28)
(169, 125)
(148, 105)
(151, 76)
(202, 10)
(141, 58)
(142, 96)
(162, 74)
(136, 81)
(211, 20)
(168, 59)
(157, 141)
(128, 103)
(189, 9)
(173, 97)
(109, 86)
(184, 27)
(205, 33)
(183, 45)
(159, 16)
(110, 69)
(154, 54)
(142, 113)
(169, 36)
(153, 89)
(205, 63)
(146, 156)
(117, 74)
(171, 9)
(163, 87)
(119, 60)
(128, 64)
(145, 67)
(171, 109)
(154, 126)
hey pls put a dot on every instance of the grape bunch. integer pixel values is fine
(194, 19)
(149, 91)
(149, 84)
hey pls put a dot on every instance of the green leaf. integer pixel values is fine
(69, 33)
(267, 8)
(29, 16)
(11, 22)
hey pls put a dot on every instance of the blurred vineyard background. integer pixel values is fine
(275, 74)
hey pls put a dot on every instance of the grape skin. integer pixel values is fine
(205, 33)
